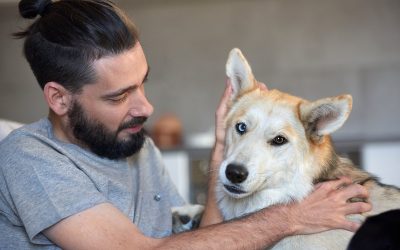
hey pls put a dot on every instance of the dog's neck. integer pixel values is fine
(334, 166)
(330, 167)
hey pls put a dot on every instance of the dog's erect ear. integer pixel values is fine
(324, 116)
(239, 72)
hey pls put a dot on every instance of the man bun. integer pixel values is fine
(32, 8)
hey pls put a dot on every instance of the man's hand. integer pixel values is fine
(327, 207)
(220, 115)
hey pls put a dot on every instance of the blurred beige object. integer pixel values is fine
(7, 126)
(167, 131)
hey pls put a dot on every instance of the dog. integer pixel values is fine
(278, 146)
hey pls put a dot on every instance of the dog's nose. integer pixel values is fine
(184, 219)
(236, 173)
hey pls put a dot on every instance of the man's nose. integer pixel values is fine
(141, 106)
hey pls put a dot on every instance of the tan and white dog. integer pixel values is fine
(278, 146)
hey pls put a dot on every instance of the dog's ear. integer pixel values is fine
(239, 72)
(324, 116)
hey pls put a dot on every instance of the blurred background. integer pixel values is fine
(309, 48)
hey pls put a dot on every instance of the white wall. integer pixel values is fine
(309, 48)
(383, 160)
(177, 165)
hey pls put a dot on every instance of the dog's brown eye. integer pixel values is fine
(278, 141)
(241, 128)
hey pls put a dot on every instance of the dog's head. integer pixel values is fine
(274, 141)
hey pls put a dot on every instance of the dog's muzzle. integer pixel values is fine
(234, 189)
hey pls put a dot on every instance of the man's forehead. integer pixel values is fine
(120, 71)
(116, 62)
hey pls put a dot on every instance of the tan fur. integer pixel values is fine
(287, 172)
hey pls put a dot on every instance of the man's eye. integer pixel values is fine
(119, 99)
(241, 128)
(278, 141)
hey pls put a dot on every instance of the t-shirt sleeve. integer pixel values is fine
(44, 186)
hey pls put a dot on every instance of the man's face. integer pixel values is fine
(108, 116)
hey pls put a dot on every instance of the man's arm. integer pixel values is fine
(105, 227)
(211, 213)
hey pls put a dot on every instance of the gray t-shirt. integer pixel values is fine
(44, 180)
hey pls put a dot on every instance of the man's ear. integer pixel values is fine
(239, 72)
(324, 116)
(57, 97)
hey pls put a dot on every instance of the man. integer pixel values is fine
(87, 177)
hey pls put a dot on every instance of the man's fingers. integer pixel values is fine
(357, 207)
(354, 190)
(341, 182)
(351, 225)
(225, 98)
(262, 86)
(334, 184)
(228, 89)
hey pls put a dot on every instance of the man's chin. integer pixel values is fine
(125, 147)
(128, 146)
(102, 141)
(127, 134)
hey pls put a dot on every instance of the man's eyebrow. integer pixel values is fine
(121, 91)
(146, 75)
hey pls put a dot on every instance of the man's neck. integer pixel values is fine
(62, 131)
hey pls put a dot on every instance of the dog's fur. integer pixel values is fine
(282, 150)
(186, 218)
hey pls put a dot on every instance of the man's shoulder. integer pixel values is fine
(40, 127)
(26, 137)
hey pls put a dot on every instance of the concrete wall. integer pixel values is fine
(310, 48)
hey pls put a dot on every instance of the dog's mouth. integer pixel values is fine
(234, 189)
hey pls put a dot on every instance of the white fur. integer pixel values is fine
(281, 174)
(271, 171)
(239, 71)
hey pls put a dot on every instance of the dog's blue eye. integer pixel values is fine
(241, 128)
(278, 141)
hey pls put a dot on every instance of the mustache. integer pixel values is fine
(134, 122)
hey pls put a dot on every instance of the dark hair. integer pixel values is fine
(69, 35)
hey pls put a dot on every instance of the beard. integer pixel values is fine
(102, 141)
